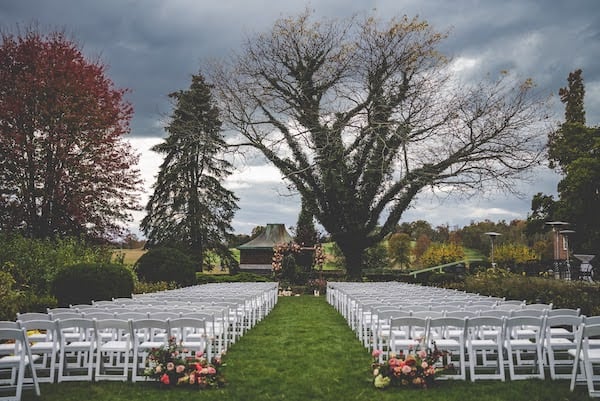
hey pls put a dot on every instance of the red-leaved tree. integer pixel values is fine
(64, 166)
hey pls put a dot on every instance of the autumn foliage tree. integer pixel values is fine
(64, 166)
(361, 115)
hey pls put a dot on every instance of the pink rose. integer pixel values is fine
(211, 370)
(180, 368)
(424, 365)
(422, 354)
(170, 366)
(158, 369)
(406, 369)
(376, 353)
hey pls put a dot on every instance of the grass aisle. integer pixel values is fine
(305, 351)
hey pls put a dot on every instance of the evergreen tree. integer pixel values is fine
(306, 233)
(189, 208)
(574, 149)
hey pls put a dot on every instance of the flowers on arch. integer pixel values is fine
(417, 369)
(286, 248)
(279, 252)
(172, 365)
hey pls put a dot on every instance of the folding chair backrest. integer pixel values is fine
(32, 316)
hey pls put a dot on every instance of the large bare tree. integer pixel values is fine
(361, 115)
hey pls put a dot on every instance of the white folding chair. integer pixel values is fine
(17, 363)
(407, 333)
(448, 335)
(148, 334)
(585, 358)
(217, 326)
(484, 338)
(559, 340)
(192, 335)
(76, 349)
(525, 351)
(113, 349)
(47, 349)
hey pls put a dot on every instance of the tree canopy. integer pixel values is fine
(189, 208)
(574, 150)
(64, 166)
(361, 115)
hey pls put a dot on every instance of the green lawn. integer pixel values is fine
(305, 351)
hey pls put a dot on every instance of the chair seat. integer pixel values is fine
(14, 360)
(561, 343)
(45, 346)
(520, 343)
(151, 344)
(593, 355)
(447, 343)
(194, 345)
(115, 346)
(78, 346)
(7, 348)
(484, 343)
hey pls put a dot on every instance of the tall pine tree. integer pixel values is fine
(189, 208)
(574, 149)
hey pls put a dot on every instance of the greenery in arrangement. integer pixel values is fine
(170, 366)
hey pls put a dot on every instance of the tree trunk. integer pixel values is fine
(353, 253)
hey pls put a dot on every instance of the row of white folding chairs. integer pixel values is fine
(374, 325)
(85, 349)
(526, 344)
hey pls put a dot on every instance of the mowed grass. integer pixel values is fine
(130, 256)
(305, 351)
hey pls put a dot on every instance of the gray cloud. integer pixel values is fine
(153, 47)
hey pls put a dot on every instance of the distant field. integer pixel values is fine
(131, 255)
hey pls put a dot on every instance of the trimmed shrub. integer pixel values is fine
(563, 294)
(166, 264)
(86, 282)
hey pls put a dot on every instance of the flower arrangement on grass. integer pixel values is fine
(171, 367)
(417, 369)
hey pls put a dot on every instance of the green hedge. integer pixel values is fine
(166, 264)
(563, 294)
(202, 278)
(87, 282)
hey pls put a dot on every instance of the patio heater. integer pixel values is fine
(566, 234)
(492, 235)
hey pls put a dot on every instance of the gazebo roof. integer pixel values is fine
(272, 235)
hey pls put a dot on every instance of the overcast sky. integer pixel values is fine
(154, 46)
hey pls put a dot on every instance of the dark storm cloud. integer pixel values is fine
(154, 46)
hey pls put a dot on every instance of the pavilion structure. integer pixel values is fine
(256, 255)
